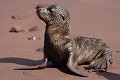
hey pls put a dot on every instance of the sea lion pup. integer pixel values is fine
(63, 49)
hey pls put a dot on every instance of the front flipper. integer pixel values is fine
(72, 64)
(42, 66)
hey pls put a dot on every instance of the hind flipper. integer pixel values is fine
(102, 63)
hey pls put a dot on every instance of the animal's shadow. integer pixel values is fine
(20, 61)
(23, 61)
(29, 62)
(109, 75)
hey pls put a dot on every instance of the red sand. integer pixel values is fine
(88, 17)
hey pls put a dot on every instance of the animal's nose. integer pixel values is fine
(43, 10)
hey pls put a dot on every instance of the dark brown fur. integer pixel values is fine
(63, 49)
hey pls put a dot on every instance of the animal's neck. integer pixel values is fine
(58, 28)
(57, 33)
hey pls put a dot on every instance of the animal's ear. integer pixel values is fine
(63, 17)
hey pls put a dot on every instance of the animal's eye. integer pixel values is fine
(51, 10)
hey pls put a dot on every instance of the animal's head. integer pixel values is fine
(53, 14)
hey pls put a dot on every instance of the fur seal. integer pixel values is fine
(63, 49)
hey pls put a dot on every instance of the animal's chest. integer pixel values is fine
(56, 53)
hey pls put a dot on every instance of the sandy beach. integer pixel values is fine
(98, 18)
